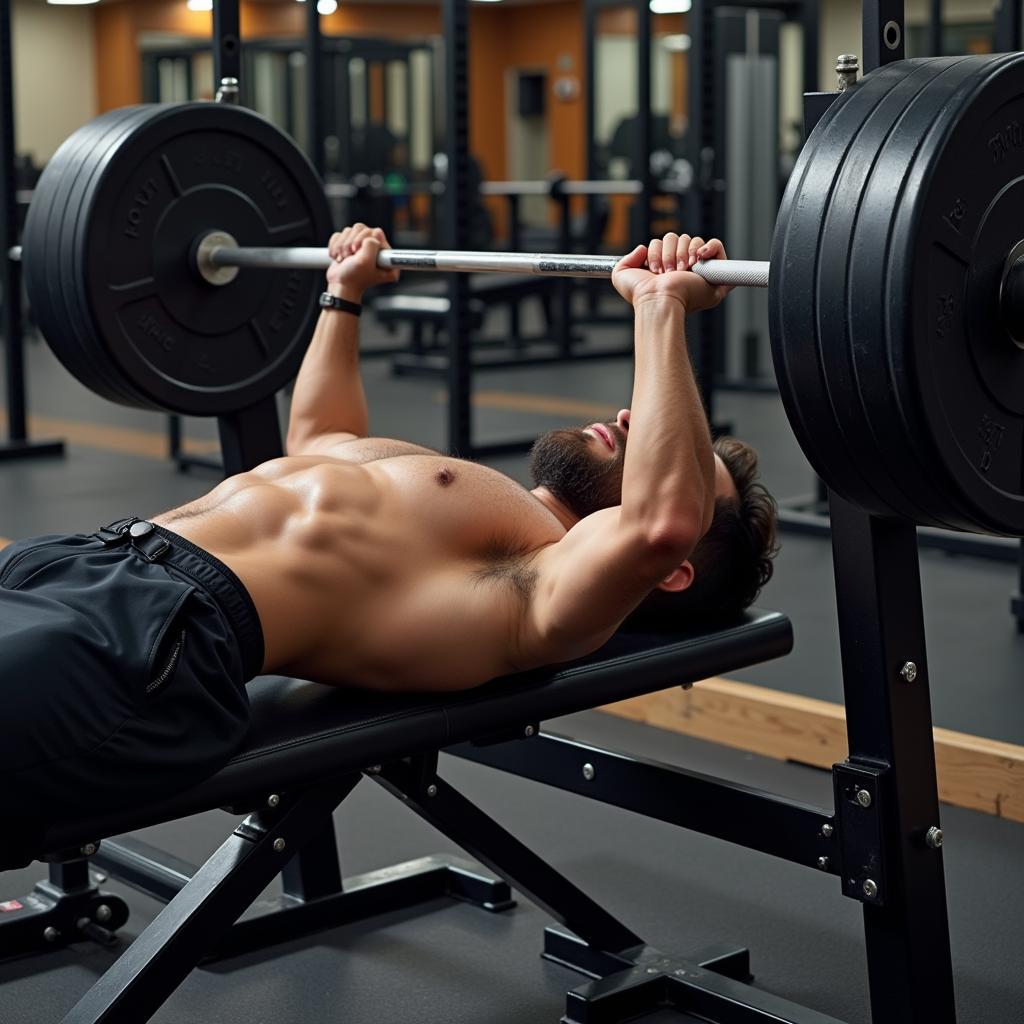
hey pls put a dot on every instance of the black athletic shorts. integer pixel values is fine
(124, 656)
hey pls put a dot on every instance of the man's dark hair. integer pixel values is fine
(732, 561)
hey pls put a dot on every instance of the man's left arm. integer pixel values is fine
(328, 400)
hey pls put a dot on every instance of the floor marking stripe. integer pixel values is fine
(149, 444)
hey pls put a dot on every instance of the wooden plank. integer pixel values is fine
(973, 772)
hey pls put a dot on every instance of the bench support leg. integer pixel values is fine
(485, 840)
(164, 954)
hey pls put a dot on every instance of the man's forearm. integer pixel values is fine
(668, 478)
(328, 396)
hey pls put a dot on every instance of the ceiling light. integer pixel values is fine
(678, 43)
(200, 5)
(71, 3)
(326, 7)
(670, 6)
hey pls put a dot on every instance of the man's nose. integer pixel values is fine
(622, 420)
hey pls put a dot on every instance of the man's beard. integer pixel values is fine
(564, 462)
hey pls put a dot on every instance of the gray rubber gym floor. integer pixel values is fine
(451, 963)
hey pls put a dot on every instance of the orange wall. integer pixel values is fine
(501, 38)
(538, 39)
(119, 68)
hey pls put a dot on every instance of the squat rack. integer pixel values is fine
(18, 444)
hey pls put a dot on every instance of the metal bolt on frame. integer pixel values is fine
(847, 67)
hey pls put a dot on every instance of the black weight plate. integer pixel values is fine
(188, 346)
(839, 303)
(793, 299)
(903, 475)
(971, 393)
(907, 454)
(116, 386)
(119, 387)
(43, 278)
(969, 213)
(40, 276)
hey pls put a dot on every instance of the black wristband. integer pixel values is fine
(329, 301)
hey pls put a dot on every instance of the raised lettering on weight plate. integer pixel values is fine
(944, 314)
(143, 196)
(275, 189)
(991, 434)
(287, 305)
(956, 215)
(226, 158)
(151, 330)
(1005, 141)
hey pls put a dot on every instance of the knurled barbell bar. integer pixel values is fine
(896, 292)
(218, 258)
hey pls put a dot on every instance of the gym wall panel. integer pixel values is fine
(118, 26)
(54, 74)
(546, 38)
(841, 27)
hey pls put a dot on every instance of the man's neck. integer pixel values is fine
(556, 507)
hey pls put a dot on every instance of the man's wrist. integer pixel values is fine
(344, 290)
(660, 304)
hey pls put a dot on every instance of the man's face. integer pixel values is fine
(582, 466)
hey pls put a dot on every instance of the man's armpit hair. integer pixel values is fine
(506, 565)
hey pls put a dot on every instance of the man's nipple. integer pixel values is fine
(445, 477)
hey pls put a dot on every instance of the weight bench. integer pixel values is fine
(421, 311)
(429, 303)
(308, 747)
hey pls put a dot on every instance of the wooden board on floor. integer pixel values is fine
(977, 773)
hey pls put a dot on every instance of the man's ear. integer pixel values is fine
(679, 579)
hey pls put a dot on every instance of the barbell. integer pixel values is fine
(896, 296)
(218, 257)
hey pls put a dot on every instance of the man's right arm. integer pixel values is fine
(589, 581)
(328, 401)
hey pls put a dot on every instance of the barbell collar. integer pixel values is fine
(744, 273)
(1011, 295)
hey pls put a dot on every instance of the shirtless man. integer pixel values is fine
(370, 562)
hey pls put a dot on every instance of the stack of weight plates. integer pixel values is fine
(904, 388)
(108, 251)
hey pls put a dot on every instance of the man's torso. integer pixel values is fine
(385, 565)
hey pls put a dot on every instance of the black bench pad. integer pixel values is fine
(303, 732)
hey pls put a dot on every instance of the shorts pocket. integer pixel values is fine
(168, 647)
(9, 580)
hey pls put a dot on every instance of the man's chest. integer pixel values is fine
(470, 508)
